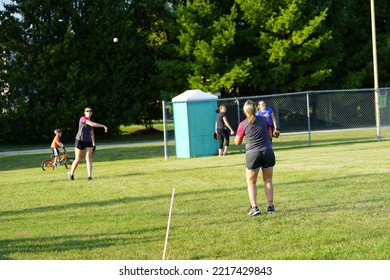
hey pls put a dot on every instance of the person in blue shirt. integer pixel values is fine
(268, 113)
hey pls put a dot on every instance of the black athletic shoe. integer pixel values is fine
(271, 209)
(71, 177)
(89, 178)
(254, 211)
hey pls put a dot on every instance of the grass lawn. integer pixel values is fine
(333, 203)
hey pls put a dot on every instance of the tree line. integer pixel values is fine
(59, 56)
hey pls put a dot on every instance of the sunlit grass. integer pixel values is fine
(332, 200)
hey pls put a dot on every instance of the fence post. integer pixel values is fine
(375, 64)
(165, 131)
(308, 116)
(238, 117)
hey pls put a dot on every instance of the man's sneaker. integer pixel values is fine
(71, 177)
(254, 211)
(271, 209)
(89, 178)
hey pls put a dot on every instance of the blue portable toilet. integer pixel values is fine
(194, 120)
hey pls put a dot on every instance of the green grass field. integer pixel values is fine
(333, 203)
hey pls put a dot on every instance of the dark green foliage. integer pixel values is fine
(251, 47)
(59, 56)
(350, 21)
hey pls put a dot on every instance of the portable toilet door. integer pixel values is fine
(194, 120)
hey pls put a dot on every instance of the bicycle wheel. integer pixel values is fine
(69, 162)
(47, 164)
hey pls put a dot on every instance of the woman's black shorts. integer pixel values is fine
(256, 160)
(81, 145)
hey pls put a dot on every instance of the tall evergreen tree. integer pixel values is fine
(251, 48)
(287, 42)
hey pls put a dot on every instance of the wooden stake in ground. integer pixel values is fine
(169, 223)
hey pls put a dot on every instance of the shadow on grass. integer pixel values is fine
(364, 202)
(15, 162)
(183, 170)
(84, 242)
(63, 243)
(9, 213)
(104, 203)
(321, 143)
(148, 151)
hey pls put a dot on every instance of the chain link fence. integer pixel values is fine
(352, 113)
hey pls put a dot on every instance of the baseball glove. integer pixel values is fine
(215, 136)
(276, 133)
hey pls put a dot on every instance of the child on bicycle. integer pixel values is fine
(55, 144)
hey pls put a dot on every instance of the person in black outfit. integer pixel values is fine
(85, 142)
(221, 128)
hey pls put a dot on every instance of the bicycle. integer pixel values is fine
(50, 165)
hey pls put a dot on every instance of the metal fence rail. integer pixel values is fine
(304, 112)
